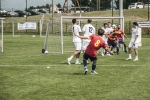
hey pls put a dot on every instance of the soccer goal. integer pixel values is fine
(1, 35)
(60, 40)
(98, 21)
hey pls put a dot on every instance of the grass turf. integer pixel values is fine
(24, 74)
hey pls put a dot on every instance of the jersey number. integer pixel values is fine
(97, 43)
(90, 29)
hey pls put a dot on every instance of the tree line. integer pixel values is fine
(96, 4)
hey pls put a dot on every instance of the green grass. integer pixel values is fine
(24, 74)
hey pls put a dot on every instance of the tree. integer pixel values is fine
(58, 5)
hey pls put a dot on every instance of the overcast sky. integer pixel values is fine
(21, 4)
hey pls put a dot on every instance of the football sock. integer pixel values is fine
(136, 57)
(130, 56)
(84, 63)
(93, 67)
(71, 58)
(77, 59)
(117, 50)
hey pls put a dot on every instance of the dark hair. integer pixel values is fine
(135, 23)
(74, 21)
(89, 20)
(105, 24)
(100, 32)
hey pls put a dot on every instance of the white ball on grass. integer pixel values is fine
(46, 52)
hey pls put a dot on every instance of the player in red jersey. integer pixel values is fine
(112, 41)
(91, 51)
(119, 33)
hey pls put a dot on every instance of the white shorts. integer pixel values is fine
(84, 45)
(133, 46)
(78, 45)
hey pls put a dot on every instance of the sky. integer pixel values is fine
(21, 4)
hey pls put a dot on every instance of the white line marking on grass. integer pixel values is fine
(77, 65)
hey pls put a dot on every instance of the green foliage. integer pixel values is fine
(24, 74)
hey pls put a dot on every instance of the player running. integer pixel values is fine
(77, 42)
(91, 51)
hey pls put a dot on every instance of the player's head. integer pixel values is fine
(105, 24)
(135, 24)
(89, 21)
(113, 35)
(100, 32)
(119, 26)
(74, 21)
(109, 24)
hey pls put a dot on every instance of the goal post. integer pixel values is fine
(83, 18)
(1, 35)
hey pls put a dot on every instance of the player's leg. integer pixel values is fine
(129, 51)
(85, 58)
(136, 52)
(116, 46)
(94, 60)
(77, 58)
(77, 52)
(84, 46)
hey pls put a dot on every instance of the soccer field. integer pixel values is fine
(27, 74)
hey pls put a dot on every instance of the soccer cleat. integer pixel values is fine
(85, 70)
(135, 60)
(69, 61)
(129, 59)
(94, 72)
(77, 63)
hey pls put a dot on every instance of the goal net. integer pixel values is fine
(60, 40)
(1, 34)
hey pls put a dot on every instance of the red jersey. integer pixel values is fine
(112, 38)
(119, 34)
(95, 44)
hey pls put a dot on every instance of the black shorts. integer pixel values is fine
(86, 56)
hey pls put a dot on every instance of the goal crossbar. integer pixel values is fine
(84, 17)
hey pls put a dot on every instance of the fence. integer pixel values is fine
(55, 28)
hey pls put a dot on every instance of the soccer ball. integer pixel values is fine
(114, 26)
(46, 52)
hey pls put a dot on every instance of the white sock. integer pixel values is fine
(71, 58)
(130, 56)
(136, 57)
(77, 60)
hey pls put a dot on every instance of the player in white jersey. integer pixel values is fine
(104, 37)
(88, 29)
(109, 28)
(134, 42)
(77, 42)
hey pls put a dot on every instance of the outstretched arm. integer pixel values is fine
(82, 37)
(109, 50)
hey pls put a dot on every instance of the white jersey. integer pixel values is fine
(88, 30)
(76, 29)
(134, 34)
(105, 36)
(110, 29)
